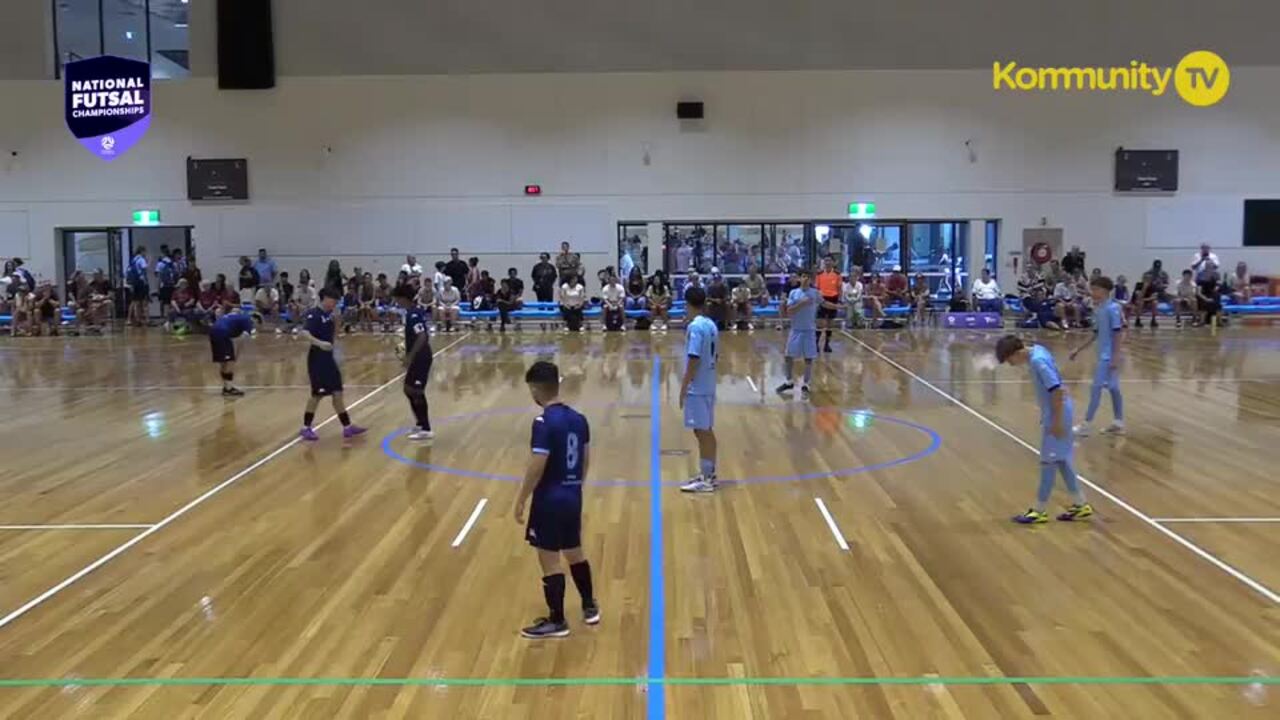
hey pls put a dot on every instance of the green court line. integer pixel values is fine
(628, 682)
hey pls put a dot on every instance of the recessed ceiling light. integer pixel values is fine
(180, 25)
(128, 34)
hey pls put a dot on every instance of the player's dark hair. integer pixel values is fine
(544, 374)
(402, 292)
(695, 297)
(329, 294)
(1104, 282)
(1007, 346)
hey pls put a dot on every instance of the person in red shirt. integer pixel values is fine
(896, 286)
(182, 306)
(828, 283)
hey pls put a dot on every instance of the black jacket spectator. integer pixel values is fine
(544, 279)
(457, 271)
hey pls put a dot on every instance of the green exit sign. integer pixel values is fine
(146, 217)
(862, 209)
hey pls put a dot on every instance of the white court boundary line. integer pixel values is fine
(475, 515)
(752, 383)
(79, 526)
(831, 523)
(1218, 520)
(42, 597)
(1256, 586)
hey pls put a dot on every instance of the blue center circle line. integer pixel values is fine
(935, 442)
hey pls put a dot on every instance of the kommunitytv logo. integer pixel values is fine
(1201, 78)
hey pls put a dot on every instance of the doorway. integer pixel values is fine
(873, 246)
(89, 249)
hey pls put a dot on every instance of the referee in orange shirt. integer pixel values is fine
(829, 284)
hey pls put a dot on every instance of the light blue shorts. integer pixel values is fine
(1106, 377)
(1054, 449)
(700, 412)
(803, 344)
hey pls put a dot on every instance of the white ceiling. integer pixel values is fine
(332, 37)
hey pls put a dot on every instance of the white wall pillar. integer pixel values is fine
(975, 253)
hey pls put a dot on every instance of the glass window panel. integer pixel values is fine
(170, 42)
(785, 250)
(740, 250)
(881, 247)
(78, 37)
(992, 246)
(688, 247)
(124, 25)
(633, 249)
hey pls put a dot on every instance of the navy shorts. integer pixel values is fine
(139, 290)
(419, 372)
(222, 347)
(555, 524)
(323, 371)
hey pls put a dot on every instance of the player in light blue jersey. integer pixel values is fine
(1109, 323)
(802, 306)
(1057, 442)
(698, 391)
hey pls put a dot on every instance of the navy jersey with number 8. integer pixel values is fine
(562, 434)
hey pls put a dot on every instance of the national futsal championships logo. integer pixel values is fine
(1201, 78)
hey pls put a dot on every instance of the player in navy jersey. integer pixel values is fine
(417, 361)
(698, 391)
(319, 328)
(802, 305)
(557, 468)
(1057, 442)
(1108, 325)
(222, 335)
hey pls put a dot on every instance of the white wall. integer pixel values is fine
(418, 162)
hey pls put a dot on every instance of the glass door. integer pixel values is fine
(90, 250)
(876, 247)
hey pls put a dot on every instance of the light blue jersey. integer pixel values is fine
(804, 318)
(1110, 320)
(1046, 378)
(702, 338)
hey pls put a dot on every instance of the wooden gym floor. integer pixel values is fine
(166, 553)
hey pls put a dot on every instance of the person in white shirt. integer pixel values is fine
(573, 299)
(1066, 302)
(1204, 262)
(437, 281)
(986, 293)
(851, 292)
(693, 281)
(613, 297)
(448, 304)
(1186, 299)
(1237, 285)
(411, 266)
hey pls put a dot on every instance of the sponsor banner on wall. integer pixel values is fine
(977, 321)
(108, 103)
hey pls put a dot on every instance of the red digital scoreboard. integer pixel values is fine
(532, 189)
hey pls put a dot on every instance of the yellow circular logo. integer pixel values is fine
(1202, 78)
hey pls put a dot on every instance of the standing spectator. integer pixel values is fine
(1237, 285)
(986, 293)
(20, 269)
(659, 293)
(544, 278)
(613, 298)
(411, 266)
(1074, 261)
(573, 299)
(437, 280)
(517, 285)
(473, 279)
(568, 263)
(248, 280)
(139, 288)
(181, 264)
(1155, 286)
(333, 279)
(191, 271)
(636, 299)
(507, 299)
(626, 263)
(167, 278)
(457, 270)
(265, 267)
(1204, 262)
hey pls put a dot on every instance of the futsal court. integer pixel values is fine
(168, 553)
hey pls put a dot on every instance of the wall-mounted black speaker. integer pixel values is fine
(246, 50)
(689, 110)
